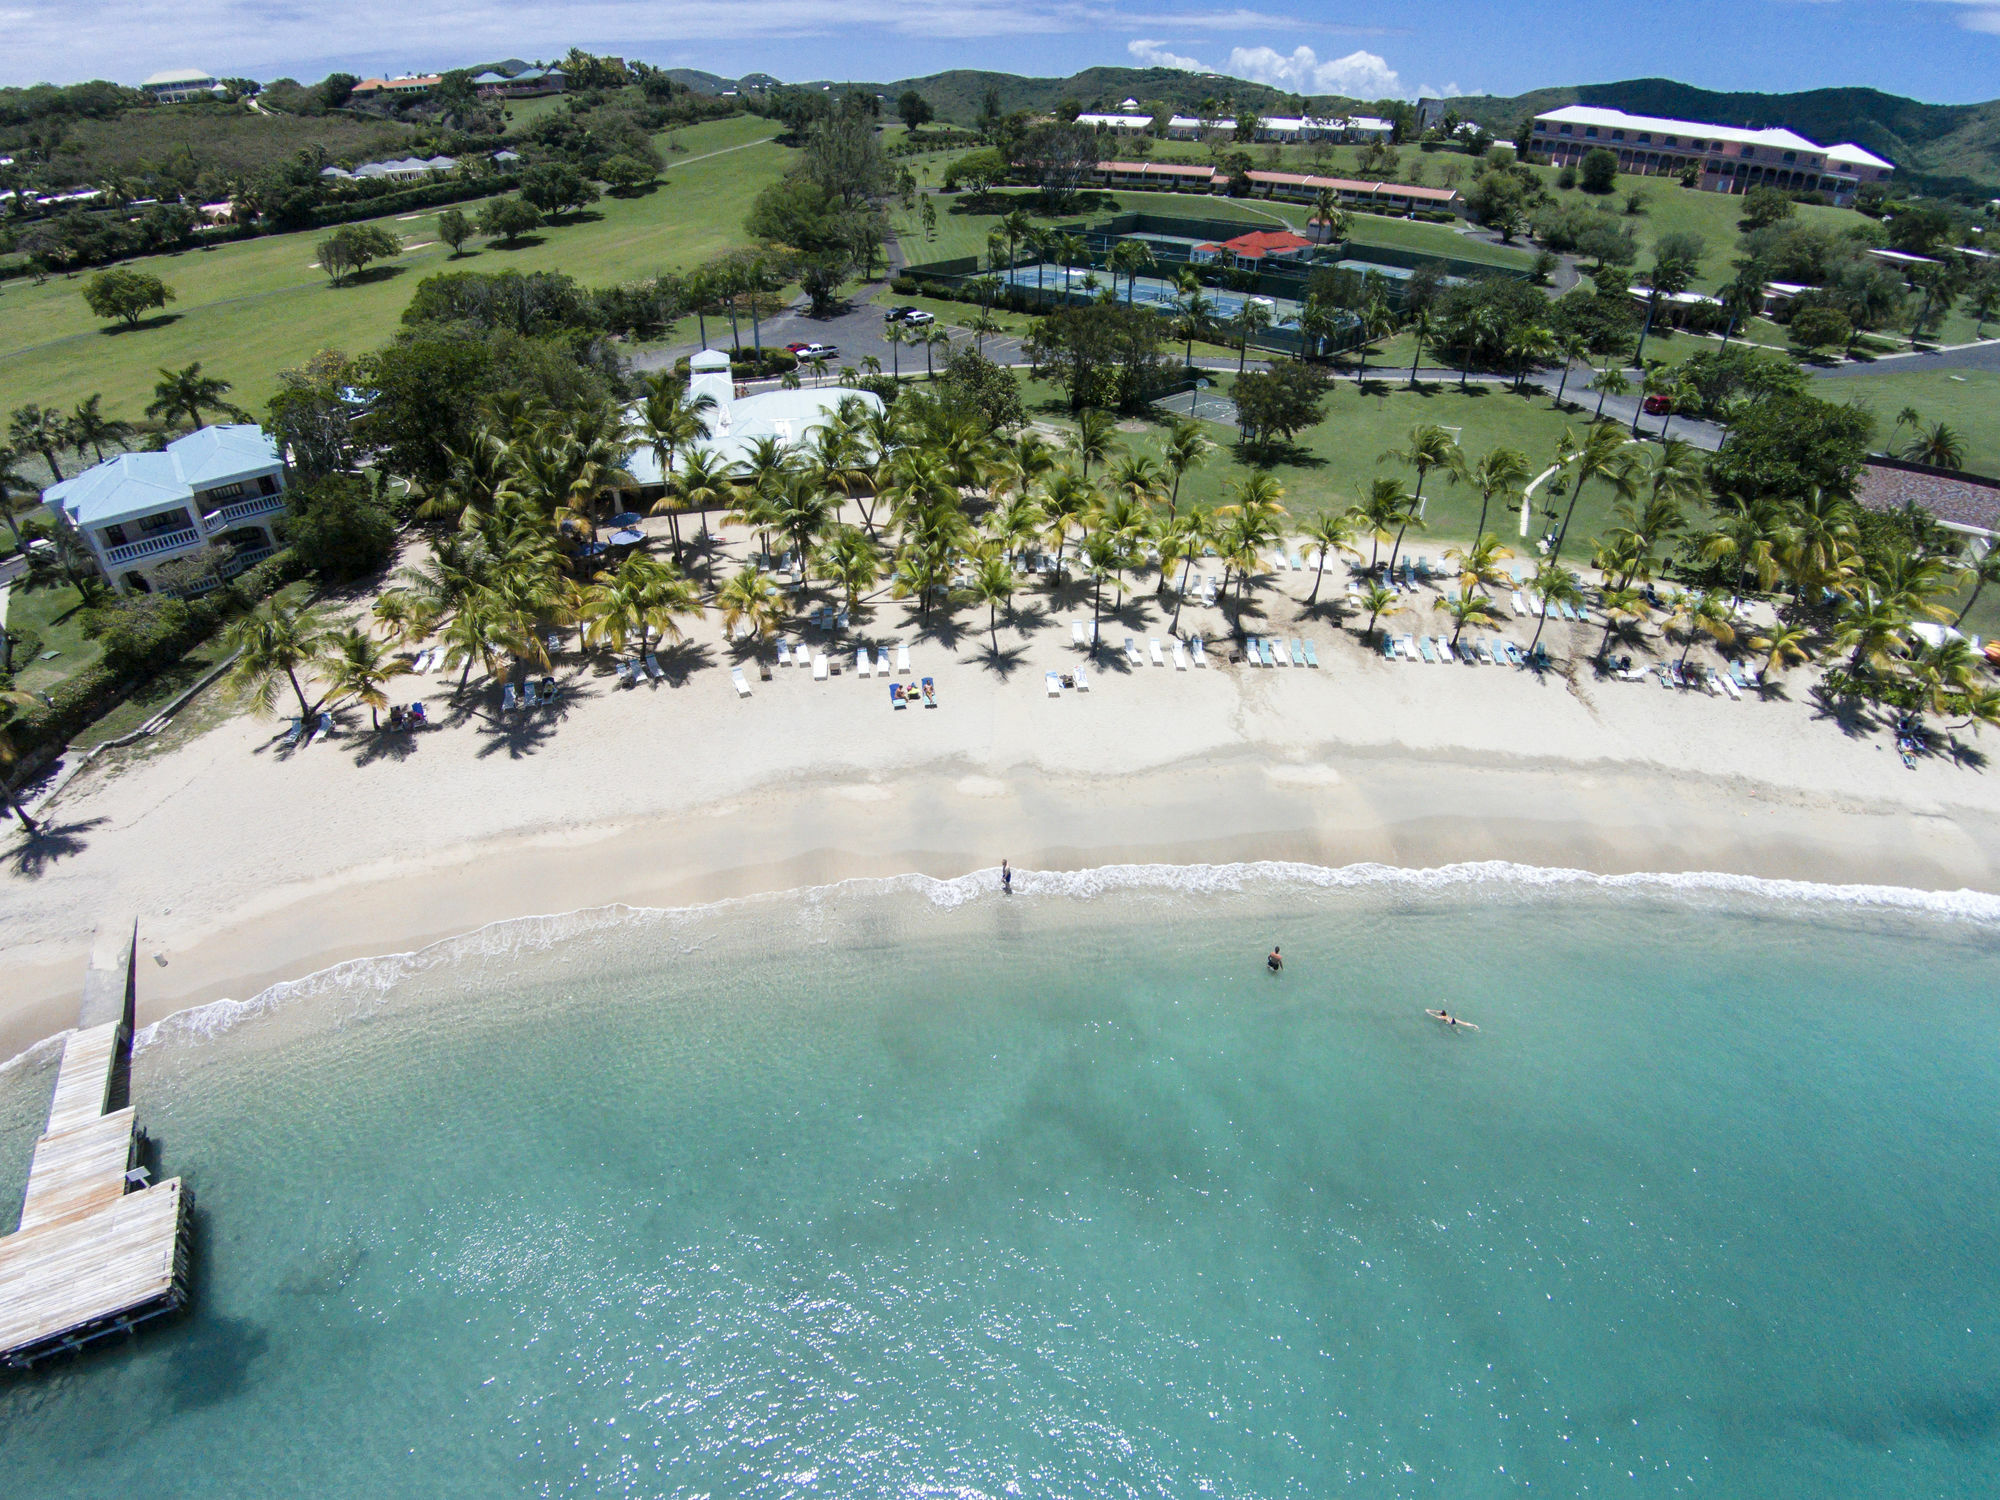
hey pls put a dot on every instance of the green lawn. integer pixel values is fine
(249, 310)
(52, 615)
(1968, 399)
(1334, 462)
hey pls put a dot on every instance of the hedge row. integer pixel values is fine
(84, 697)
(429, 195)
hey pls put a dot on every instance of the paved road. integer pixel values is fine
(1984, 356)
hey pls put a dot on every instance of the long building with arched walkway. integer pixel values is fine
(1721, 158)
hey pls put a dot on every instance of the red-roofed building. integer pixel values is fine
(1256, 248)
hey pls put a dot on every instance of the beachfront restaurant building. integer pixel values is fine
(218, 486)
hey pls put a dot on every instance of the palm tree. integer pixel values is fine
(1102, 557)
(1376, 322)
(1251, 319)
(1938, 445)
(35, 429)
(1554, 584)
(1130, 257)
(701, 482)
(274, 641)
(1479, 564)
(188, 393)
(1424, 327)
(1572, 347)
(669, 420)
(356, 666)
(476, 632)
(1619, 604)
(1380, 601)
(848, 556)
(1499, 471)
(12, 482)
(1247, 525)
(1327, 533)
(1066, 499)
(933, 338)
(1194, 315)
(993, 585)
(645, 595)
(1467, 608)
(1782, 646)
(1430, 447)
(1704, 613)
(1602, 455)
(803, 511)
(1185, 448)
(1609, 381)
(895, 336)
(1530, 344)
(1383, 515)
(9, 756)
(89, 427)
(750, 597)
(1096, 437)
(1985, 571)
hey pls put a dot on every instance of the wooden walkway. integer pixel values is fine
(92, 1256)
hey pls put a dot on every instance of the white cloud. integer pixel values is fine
(1155, 55)
(1359, 75)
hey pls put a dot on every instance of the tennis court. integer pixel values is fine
(1147, 291)
(1205, 405)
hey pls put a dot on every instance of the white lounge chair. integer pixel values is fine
(903, 660)
(508, 699)
(1132, 652)
(819, 667)
(882, 662)
(1253, 656)
(1196, 651)
(742, 685)
(1275, 653)
(652, 668)
(1082, 682)
(1520, 606)
(1159, 657)
(861, 662)
(1076, 633)
(322, 729)
(1055, 684)
(784, 653)
(1180, 658)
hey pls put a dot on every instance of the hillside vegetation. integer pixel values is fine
(232, 140)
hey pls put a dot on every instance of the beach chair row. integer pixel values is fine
(1265, 651)
(802, 655)
(1084, 632)
(1490, 651)
(1731, 681)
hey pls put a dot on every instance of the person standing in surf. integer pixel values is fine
(1276, 962)
(1006, 879)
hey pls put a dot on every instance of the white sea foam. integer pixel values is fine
(357, 983)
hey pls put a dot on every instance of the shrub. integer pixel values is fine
(1566, 178)
(1600, 171)
(338, 530)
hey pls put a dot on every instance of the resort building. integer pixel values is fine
(178, 85)
(218, 486)
(1726, 159)
(406, 169)
(408, 84)
(1269, 127)
(523, 85)
(738, 421)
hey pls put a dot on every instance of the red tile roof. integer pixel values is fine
(1261, 242)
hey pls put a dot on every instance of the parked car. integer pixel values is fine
(815, 351)
(897, 314)
(1657, 405)
(916, 317)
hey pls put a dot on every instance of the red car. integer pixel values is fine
(1657, 406)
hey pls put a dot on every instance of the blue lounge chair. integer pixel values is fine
(1312, 656)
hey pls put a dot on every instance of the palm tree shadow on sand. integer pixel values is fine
(33, 855)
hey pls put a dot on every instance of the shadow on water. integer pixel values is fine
(212, 1361)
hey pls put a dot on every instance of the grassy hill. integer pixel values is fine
(1941, 148)
(235, 141)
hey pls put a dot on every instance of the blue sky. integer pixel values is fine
(1940, 50)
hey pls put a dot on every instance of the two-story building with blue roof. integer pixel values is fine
(221, 486)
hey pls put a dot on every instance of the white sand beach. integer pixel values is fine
(246, 862)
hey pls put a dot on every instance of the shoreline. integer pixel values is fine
(1217, 807)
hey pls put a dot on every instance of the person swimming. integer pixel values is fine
(1275, 962)
(1450, 1020)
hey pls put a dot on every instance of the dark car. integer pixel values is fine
(897, 314)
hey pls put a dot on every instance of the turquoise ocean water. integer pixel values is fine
(907, 1189)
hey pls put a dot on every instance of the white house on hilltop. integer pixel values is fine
(221, 486)
(178, 85)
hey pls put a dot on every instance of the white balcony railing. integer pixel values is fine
(152, 546)
(243, 510)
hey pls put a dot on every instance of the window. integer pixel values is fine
(1746, 150)
(1568, 130)
(1791, 156)
(1590, 130)
(1645, 138)
(1617, 135)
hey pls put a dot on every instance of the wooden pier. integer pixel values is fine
(98, 1251)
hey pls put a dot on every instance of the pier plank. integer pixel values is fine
(83, 1082)
(79, 1171)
